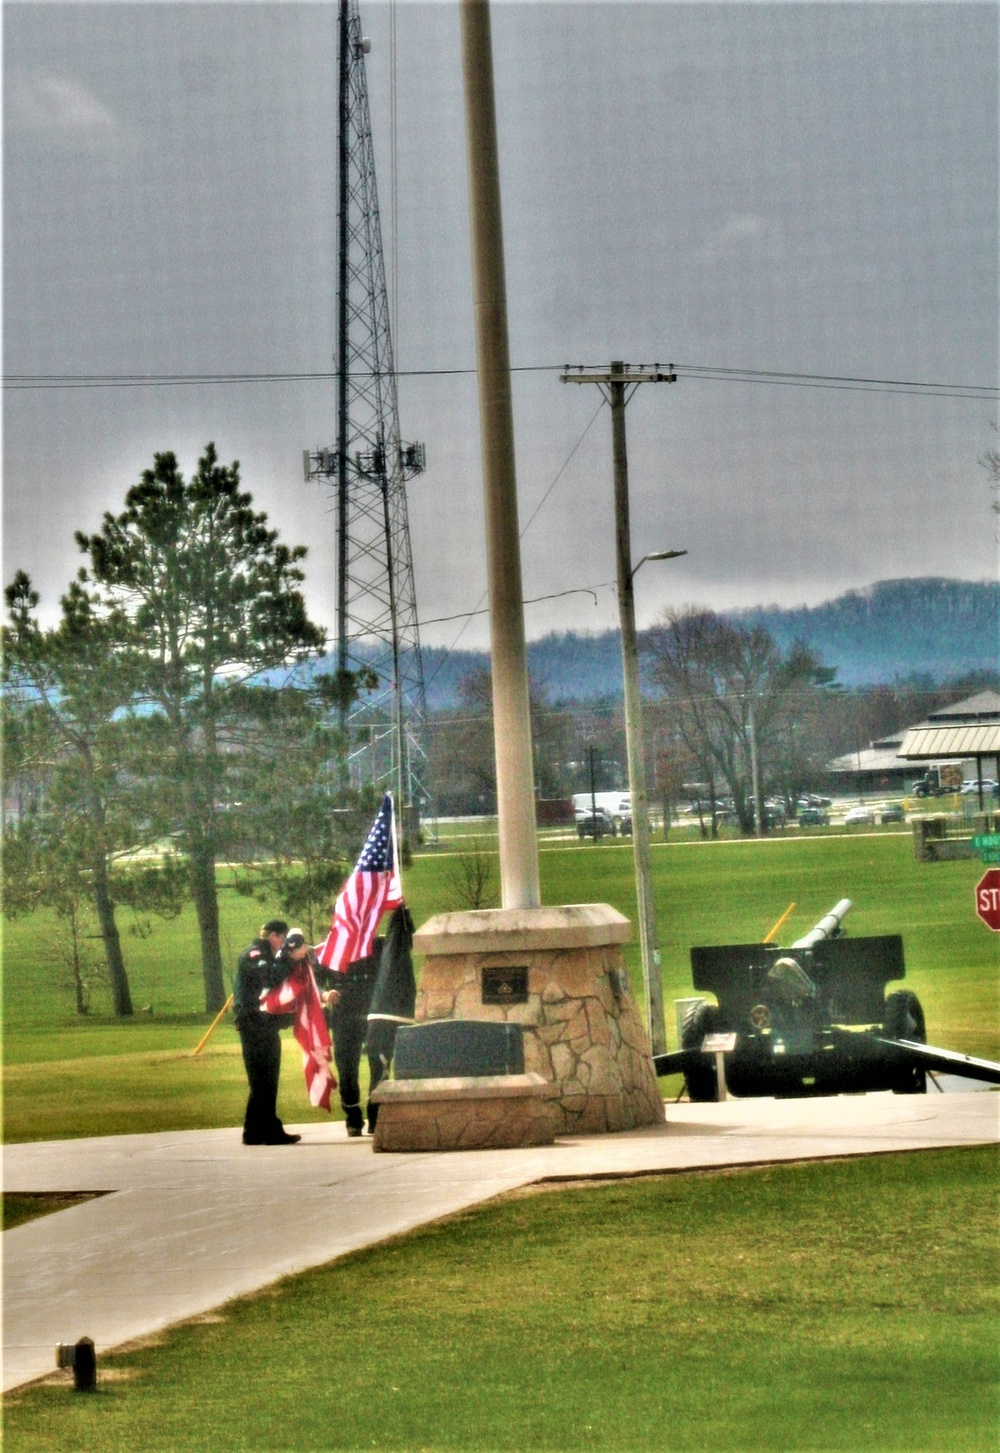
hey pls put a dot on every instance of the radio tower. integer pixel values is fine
(377, 627)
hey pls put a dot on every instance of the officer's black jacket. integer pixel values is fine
(353, 985)
(257, 970)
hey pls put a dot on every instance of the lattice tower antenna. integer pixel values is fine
(377, 626)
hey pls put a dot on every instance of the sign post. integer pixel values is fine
(720, 1045)
(988, 898)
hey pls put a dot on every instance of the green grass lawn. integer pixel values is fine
(66, 1076)
(840, 1306)
(848, 1306)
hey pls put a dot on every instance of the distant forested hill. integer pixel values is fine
(895, 629)
(570, 667)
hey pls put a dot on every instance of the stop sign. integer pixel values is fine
(988, 898)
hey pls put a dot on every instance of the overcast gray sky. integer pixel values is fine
(803, 188)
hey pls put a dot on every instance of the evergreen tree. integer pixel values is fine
(292, 828)
(63, 749)
(211, 600)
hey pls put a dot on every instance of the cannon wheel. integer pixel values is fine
(904, 1019)
(700, 1081)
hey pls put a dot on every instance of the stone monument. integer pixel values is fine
(560, 973)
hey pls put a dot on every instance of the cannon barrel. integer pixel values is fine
(827, 926)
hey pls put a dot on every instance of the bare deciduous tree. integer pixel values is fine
(731, 692)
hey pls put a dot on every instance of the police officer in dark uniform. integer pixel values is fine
(367, 1004)
(347, 1001)
(393, 1002)
(260, 968)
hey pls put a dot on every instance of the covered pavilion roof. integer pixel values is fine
(969, 728)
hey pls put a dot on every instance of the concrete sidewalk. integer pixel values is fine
(196, 1218)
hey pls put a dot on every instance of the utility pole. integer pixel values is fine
(519, 877)
(758, 809)
(618, 384)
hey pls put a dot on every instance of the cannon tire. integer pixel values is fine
(700, 1081)
(904, 1019)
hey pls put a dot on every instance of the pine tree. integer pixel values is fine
(212, 601)
(64, 747)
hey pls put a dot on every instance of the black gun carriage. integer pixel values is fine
(812, 1019)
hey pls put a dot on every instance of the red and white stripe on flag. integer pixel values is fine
(299, 995)
(371, 890)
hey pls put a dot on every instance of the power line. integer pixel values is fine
(536, 511)
(466, 615)
(695, 372)
(829, 380)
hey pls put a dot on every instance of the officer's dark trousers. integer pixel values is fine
(381, 1043)
(262, 1058)
(348, 1032)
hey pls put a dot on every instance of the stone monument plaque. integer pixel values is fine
(505, 984)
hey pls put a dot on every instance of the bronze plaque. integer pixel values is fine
(503, 985)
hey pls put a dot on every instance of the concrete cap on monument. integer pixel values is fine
(988, 898)
(574, 925)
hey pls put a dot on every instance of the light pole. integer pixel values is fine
(615, 381)
(636, 748)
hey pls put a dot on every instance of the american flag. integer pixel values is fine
(299, 995)
(370, 891)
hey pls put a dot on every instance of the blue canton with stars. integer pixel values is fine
(376, 855)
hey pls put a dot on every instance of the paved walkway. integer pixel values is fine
(196, 1218)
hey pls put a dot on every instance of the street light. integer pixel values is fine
(657, 555)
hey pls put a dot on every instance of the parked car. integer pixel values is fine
(971, 785)
(859, 814)
(814, 817)
(594, 825)
(813, 799)
(724, 813)
(773, 814)
(892, 812)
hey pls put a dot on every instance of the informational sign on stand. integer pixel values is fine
(720, 1045)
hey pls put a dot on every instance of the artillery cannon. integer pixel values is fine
(812, 1019)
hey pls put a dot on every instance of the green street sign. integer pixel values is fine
(986, 840)
(990, 855)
